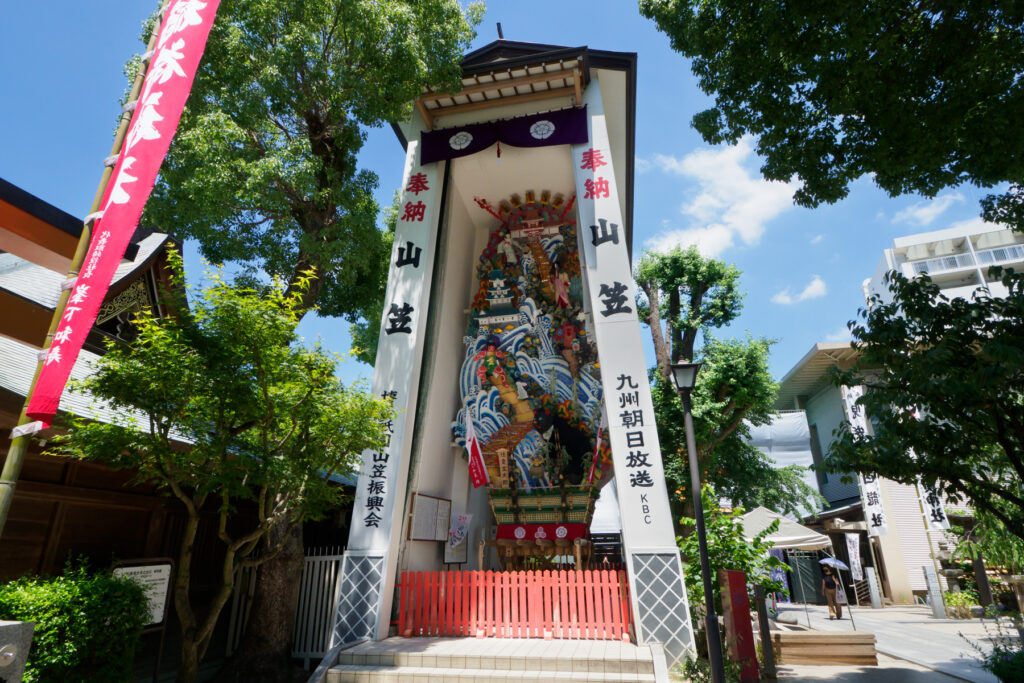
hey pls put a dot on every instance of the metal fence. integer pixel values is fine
(318, 596)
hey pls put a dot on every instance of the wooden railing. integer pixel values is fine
(590, 604)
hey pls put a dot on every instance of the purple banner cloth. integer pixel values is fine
(564, 127)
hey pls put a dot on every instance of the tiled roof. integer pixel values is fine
(42, 285)
(29, 281)
(18, 362)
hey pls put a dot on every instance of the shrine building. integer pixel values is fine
(511, 347)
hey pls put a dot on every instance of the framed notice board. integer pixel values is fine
(430, 518)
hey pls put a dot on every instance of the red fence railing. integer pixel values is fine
(592, 604)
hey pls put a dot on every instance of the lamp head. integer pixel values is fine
(684, 375)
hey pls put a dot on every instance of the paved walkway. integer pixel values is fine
(912, 634)
(889, 670)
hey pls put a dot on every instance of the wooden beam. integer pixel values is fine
(516, 81)
(25, 321)
(515, 99)
(87, 496)
(578, 84)
(427, 117)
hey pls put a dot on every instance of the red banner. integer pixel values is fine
(172, 68)
(477, 468)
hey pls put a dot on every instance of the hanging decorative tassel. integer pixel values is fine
(499, 151)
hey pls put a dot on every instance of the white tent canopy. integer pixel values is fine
(789, 535)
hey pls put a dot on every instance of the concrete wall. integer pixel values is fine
(906, 548)
(825, 412)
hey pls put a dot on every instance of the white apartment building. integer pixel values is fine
(957, 259)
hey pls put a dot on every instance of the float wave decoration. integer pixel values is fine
(530, 374)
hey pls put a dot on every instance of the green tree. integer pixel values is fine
(728, 548)
(922, 96)
(366, 331)
(945, 394)
(685, 296)
(263, 173)
(229, 414)
(987, 536)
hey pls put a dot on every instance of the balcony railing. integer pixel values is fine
(986, 257)
(934, 265)
(1014, 252)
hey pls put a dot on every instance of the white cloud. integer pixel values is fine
(840, 335)
(924, 213)
(817, 239)
(642, 165)
(727, 202)
(815, 289)
(975, 223)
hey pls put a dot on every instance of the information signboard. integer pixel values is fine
(155, 578)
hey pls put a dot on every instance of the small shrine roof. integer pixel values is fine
(37, 230)
(507, 73)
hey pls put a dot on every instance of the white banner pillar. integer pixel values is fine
(657, 590)
(369, 567)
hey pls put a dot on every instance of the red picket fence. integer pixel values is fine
(591, 604)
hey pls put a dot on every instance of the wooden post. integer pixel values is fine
(19, 446)
(739, 633)
(766, 634)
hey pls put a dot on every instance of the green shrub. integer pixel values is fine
(959, 604)
(87, 624)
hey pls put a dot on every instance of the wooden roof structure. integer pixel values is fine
(508, 72)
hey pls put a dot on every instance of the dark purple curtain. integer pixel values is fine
(564, 127)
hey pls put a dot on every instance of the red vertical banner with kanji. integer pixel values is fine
(172, 69)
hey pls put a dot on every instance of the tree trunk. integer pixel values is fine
(188, 667)
(661, 352)
(675, 334)
(265, 651)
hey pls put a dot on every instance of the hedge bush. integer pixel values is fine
(87, 624)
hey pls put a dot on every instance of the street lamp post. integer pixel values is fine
(685, 377)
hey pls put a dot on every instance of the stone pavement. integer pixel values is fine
(889, 670)
(910, 633)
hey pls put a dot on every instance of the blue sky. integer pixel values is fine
(61, 80)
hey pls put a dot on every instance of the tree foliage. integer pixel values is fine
(232, 416)
(366, 331)
(987, 536)
(728, 548)
(689, 293)
(923, 96)
(263, 169)
(686, 296)
(945, 380)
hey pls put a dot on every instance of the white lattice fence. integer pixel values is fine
(314, 612)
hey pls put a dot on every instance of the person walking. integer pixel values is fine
(829, 586)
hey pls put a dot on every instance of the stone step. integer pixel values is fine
(592, 661)
(369, 673)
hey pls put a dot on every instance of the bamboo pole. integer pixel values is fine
(19, 446)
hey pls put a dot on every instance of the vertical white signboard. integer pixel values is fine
(658, 594)
(934, 511)
(853, 552)
(368, 568)
(870, 490)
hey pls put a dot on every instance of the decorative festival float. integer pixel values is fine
(531, 385)
(511, 347)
